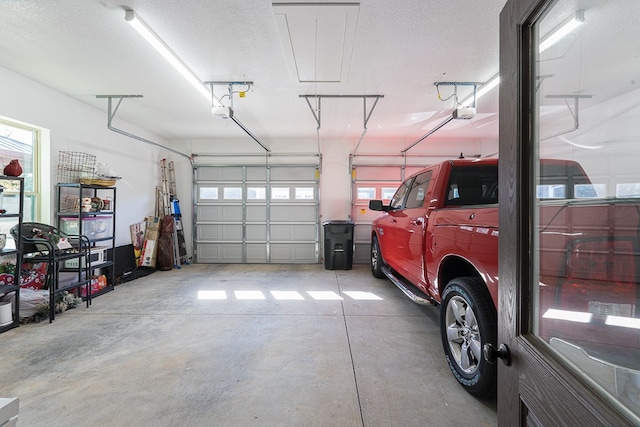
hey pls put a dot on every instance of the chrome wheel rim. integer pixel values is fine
(463, 335)
(374, 255)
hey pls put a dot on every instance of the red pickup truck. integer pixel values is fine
(437, 240)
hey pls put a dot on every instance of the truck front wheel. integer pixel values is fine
(467, 323)
(376, 259)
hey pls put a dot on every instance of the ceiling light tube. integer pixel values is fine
(484, 89)
(154, 40)
(562, 31)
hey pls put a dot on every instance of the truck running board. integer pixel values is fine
(412, 292)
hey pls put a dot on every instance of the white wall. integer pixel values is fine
(75, 126)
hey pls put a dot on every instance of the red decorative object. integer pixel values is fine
(13, 168)
(6, 279)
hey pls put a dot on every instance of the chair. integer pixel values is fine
(43, 243)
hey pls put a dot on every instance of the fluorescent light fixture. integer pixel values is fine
(484, 89)
(154, 40)
(562, 31)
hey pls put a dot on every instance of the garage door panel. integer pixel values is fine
(256, 173)
(219, 213)
(256, 232)
(293, 173)
(372, 182)
(256, 253)
(362, 253)
(219, 252)
(293, 252)
(256, 212)
(288, 232)
(362, 232)
(291, 213)
(219, 173)
(378, 173)
(218, 232)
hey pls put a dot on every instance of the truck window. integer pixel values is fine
(472, 185)
(398, 199)
(418, 191)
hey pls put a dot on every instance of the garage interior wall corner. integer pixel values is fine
(75, 126)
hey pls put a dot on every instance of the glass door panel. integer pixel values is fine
(585, 185)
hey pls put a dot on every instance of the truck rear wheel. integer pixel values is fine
(468, 322)
(376, 259)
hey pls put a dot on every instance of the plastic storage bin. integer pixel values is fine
(94, 227)
(338, 245)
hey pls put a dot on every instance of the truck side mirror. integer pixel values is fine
(376, 205)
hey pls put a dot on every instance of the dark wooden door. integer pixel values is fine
(576, 100)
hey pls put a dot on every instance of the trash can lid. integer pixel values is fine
(338, 221)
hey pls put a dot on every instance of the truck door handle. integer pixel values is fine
(417, 221)
(394, 220)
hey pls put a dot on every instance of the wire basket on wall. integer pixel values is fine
(74, 166)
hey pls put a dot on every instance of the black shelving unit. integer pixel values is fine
(98, 224)
(13, 218)
(38, 247)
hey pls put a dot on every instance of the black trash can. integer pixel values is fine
(338, 245)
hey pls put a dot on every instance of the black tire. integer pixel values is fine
(468, 321)
(376, 259)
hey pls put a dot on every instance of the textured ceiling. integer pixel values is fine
(398, 49)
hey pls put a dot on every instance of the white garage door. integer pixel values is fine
(256, 214)
(370, 183)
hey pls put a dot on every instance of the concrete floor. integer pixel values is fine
(151, 353)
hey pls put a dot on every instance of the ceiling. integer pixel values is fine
(393, 48)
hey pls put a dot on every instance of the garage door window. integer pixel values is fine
(208, 193)
(387, 192)
(279, 193)
(366, 193)
(232, 193)
(304, 193)
(256, 193)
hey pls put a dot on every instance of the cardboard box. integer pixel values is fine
(137, 240)
(150, 246)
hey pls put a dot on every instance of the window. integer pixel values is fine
(584, 254)
(208, 193)
(366, 193)
(473, 185)
(304, 193)
(628, 190)
(232, 193)
(256, 193)
(418, 192)
(21, 142)
(280, 193)
(398, 198)
(388, 192)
